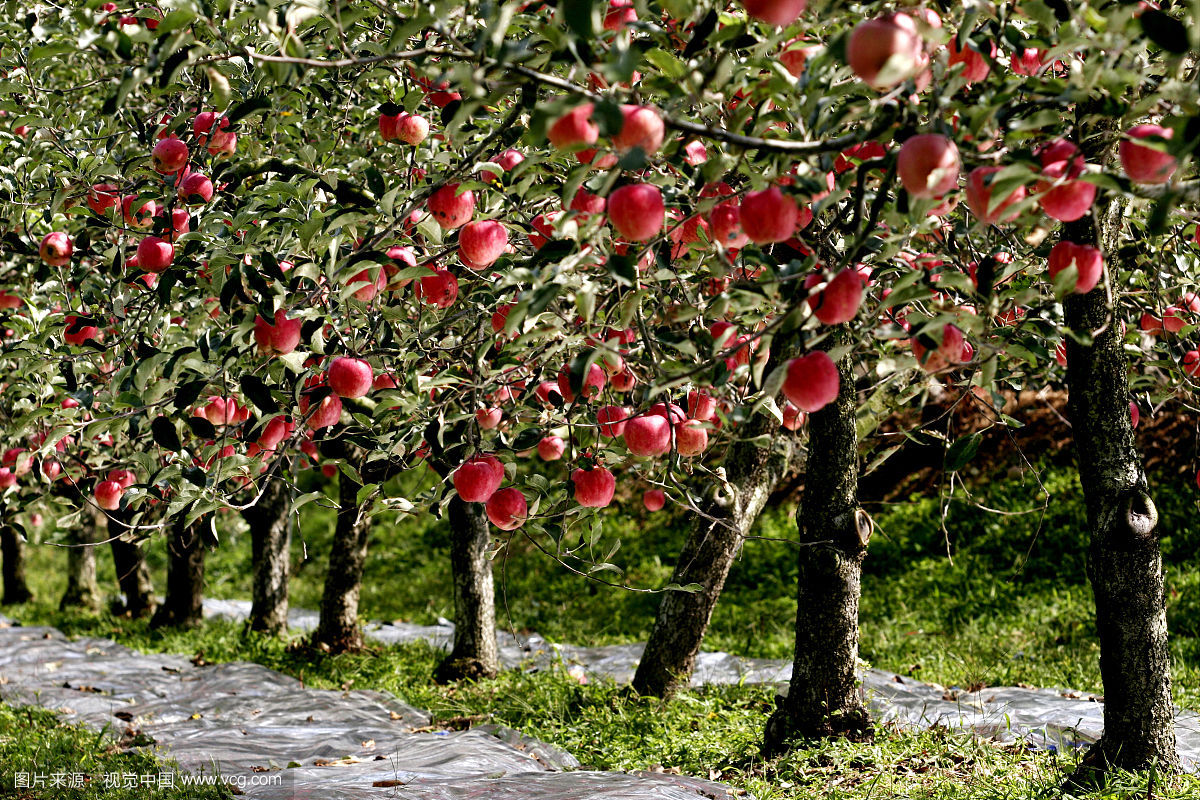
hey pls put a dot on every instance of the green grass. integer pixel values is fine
(36, 742)
(1010, 605)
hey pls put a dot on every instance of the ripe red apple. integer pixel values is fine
(326, 414)
(928, 165)
(155, 254)
(551, 448)
(975, 66)
(103, 196)
(611, 420)
(1191, 363)
(222, 144)
(623, 381)
(108, 493)
(884, 52)
(279, 339)
(196, 189)
(387, 126)
(449, 208)
(812, 381)
(1087, 260)
(691, 437)
(143, 216)
(169, 156)
(77, 333)
(979, 197)
(7, 478)
(439, 289)
(478, 478)
(768, 216)
(775, 12)
(275, 431)
(670, 412)
(593, 487)
(56, 249)
(701, 405)
(1135, 414)
(636, 211)
(642, 127)
(483, 241)
(488, 418)
(953, 349)
(1026, 62)
(793, 418)
(654, 499)
(350, 377)
(839, 301)
(507, 509)
(411, 128)
(648, 435)
(725, 225)
(619, 14)
(593, 383)
(123, 477)
(575, 129)
(1146, 164)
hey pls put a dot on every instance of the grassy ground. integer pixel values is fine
(1011, 605)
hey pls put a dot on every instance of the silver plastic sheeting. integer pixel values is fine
(1042, 718)
(273, 738)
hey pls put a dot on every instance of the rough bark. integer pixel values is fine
(271, 538)
(475, 653)
(338, 630)
(1124, 559)
(752, 468)
(183, 606)
(82, 590)
(133, 576)
(12, 556)
(824, 698)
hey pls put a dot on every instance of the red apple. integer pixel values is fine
(648, 435)
(611, 420)
(411, 129)
(884, 52)
(975, 66)
(928, 165)
(103, 196)
(691, 437)
(196, 189)
(275, 431)
(449, 208)
(108, 493)
(143, 216)
(1191, 363)
(1146, 164)
(122, 477)
(1087, 260)
(507, 509)
(483, 241)
(350, 377)
(775, 12)
(701, 405)
(593, 487)
(169, 156)
(7, 478)
(654, 499)
(326, 414)
(619, 14)
(478, 478)
(551, 448)
(593, 383)
(768, 216)
(642, 127)
(839, 301)
(725, 225)
(636, 211)
(77, 333)
(56, 249)
(575, 129)
(439, 289)
(279, 339)
(155, 254)
(979, 197)
(793, 418)
(812, 381)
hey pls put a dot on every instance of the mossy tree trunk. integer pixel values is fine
(752, 469)
(1124, 561)
(338, 630)
(183, 606)
(271, 537)
(476, 653)
(824, 697)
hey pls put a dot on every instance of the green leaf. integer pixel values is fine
(258, 393)
(165, 435)
(252, 105)
(1165, 31)
(962, 451)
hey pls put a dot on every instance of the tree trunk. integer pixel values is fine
(476, 653)
(133, 576)
(338, 630)
(752, 468)
(82, 589)
(271, 537)
(184, 603)
(12, 553)
(1124, 560)
(824, 697)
